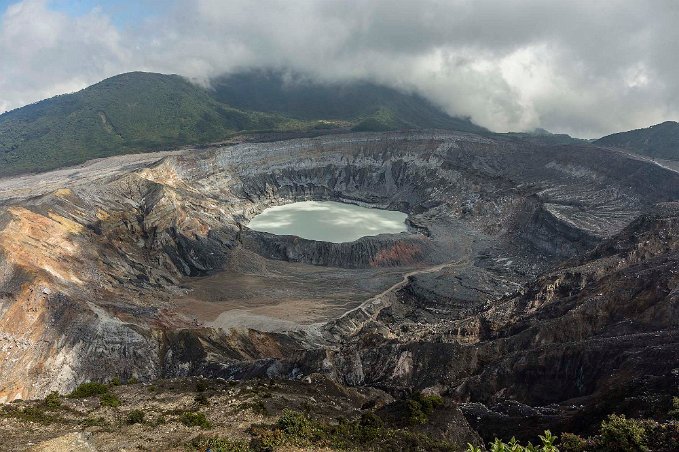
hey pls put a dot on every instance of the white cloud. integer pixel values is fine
(581, 67)
(44, 53)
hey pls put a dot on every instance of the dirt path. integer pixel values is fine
(352, 321)
(401, 284)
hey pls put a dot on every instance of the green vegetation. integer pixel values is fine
(31, 414)
(140, 112)
(216, 444)
(94, 422)
(674, 412)
(53, 400)
(420, 407)
(109, 399)
(88, 390)
(296, 429)
(616, 433)
(195, 419)
(547, 440)
(92, 389)
(135, 417)
(364, 105)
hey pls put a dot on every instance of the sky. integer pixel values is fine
(587, 68)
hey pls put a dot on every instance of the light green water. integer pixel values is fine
(328, 221)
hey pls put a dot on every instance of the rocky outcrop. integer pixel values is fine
(599, 333)
(388, 250)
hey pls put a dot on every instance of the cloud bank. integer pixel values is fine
(580, 67)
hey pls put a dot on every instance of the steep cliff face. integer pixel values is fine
(96, 267)
(598, 333)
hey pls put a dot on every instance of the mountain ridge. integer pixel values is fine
(657, 141)
(142, 111)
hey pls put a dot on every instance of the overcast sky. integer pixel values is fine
(587, 68)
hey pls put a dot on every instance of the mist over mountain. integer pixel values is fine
(143, 112)
(587, 69)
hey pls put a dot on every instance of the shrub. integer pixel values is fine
(109, 399)
(573, 443)
(674, 412)
(53, 400)
(201, 386)
(429, 403)
(295, 423)
(115, 381)
(620, 433)
(94, 422)
(419, 407)
(135, 417)
(88, 390)
(191, 419)
(370, 419)
(548, 445)
(415, 413)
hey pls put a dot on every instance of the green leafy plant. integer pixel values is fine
(621, 433)
(547, 439)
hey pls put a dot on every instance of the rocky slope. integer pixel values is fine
(495, 296)
(660, 141)
(195, 414)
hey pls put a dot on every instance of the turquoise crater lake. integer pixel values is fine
(328, 221)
